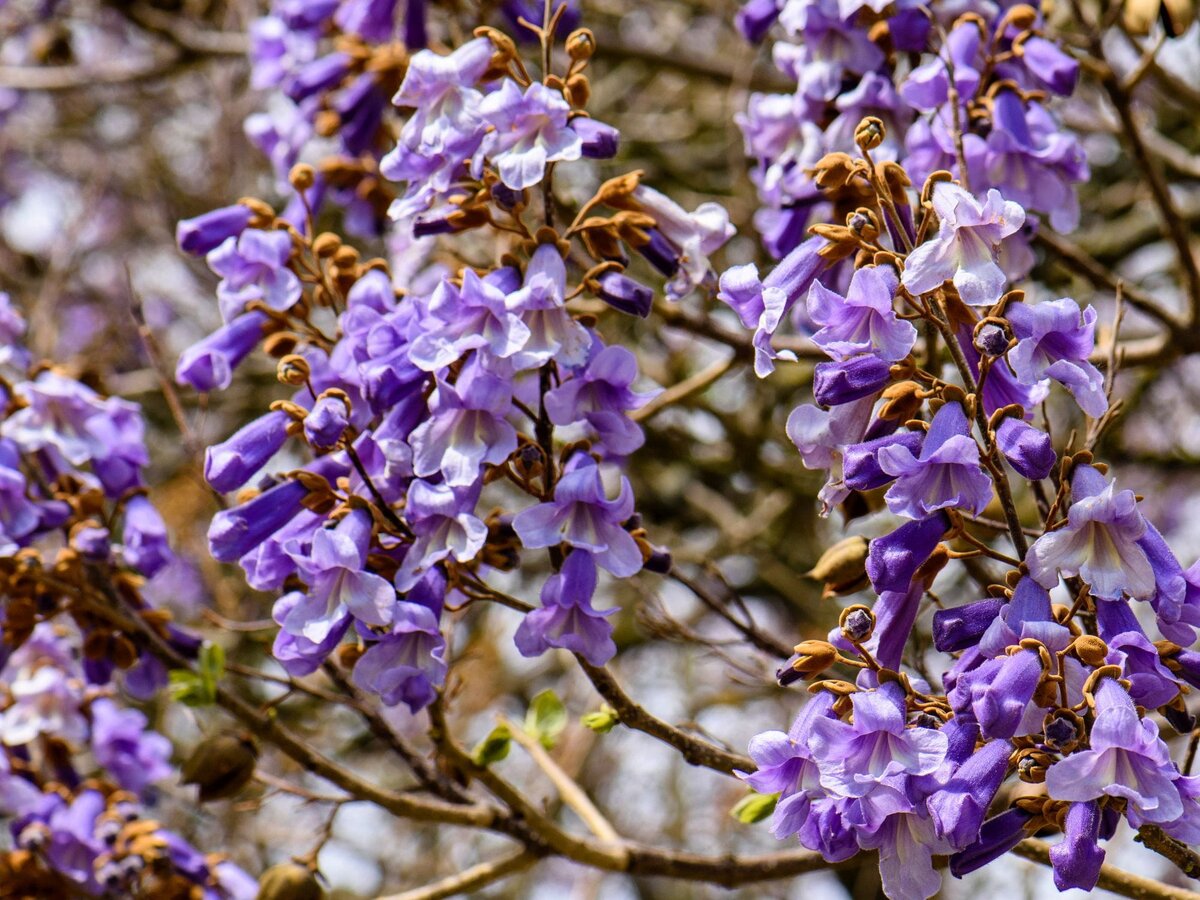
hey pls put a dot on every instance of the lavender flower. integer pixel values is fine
(947, 474)
(1054, 340)
(964, 249)
(567, 618)
(863, 321)
(529, 130)
(582, 515)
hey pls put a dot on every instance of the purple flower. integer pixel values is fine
(1099, 543)
(785, 766)
(1028, 450)
(601, 395)
(240, 530)
(1077, 859)
(253, 266)
(927, 87)
(1054, 340)
(893, 560)
(999, 835)
(567, 618)
(693, 237)
(326, 422)
(600, 141)
(860, 462)
(907, 843)
(964, 249)
(946, 474)
(582, 515)
(529, 130)
(836, 383)
(857, 758)
(297, 654)
(443, 523)
(863, 321)
(134, 756)
(144, 541)
(624, 294)
(1049, 63)
(1126, 758)
(407, 664)
(466, 428)
(475, 316)
(208, 364)
(541, 304)
(961, 627)
(338, 581)
(230, 464)
(958, 808)
(208, 231)
(763, 304)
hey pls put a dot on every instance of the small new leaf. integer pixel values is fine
(602, 721)
(754, 807)
(494, 747)
(546, 718)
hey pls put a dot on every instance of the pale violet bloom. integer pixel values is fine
(695, 236)
(541, 304)
(964, 249)
(529, 130)
(338, 584)
(444, 525)
(466, 428)
(582, 515)
(1126, 758)
(1099, 543)
(863, 321)
(1054, 340)
(946, 474)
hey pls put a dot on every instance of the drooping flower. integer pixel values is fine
(566, 618)
(601, 394)
(339, 584)
(1054, 340)
(582, 515)
(1099, 543)
(863, 321)
(946, 474)
(1125, 758)
(964, 249)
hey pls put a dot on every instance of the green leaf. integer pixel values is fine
(494, 747)
(186, 687)
(546, 718)
(754, 807)
(602, 721)
(199, 688)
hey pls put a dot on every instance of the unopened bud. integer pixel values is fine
(870, 133)
(326, 244)
(811, 658)
(857, 623)
(220, 765)
(1091, 650)
(581, 44)
(293, 369)
(302, 176)
(843, 566)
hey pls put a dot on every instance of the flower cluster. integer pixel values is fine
(80, 548)
(1057, 696)
(451, 418)
(960, 86)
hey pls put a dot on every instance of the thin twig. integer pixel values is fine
(472, 879)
